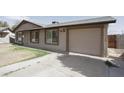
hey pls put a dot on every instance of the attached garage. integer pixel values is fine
(87, 41)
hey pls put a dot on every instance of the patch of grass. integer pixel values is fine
(35, 52)
(32, 51)
(12, 53)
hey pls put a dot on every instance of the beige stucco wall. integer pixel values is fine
(62, 41)
(104, 41)
(27, 26)
(27, 42)
(87, 41)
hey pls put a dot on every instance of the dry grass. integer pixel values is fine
(10, 54)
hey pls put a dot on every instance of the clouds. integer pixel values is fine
(18, 18)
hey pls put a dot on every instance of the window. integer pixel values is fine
(34, 36)
(19, 36)
(52, 37)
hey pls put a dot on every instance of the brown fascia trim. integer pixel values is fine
(10, 30)
(23, 22)
(30, 29)
(105, 22)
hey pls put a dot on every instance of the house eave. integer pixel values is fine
(105, 22)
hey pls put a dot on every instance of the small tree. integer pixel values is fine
(3, 24)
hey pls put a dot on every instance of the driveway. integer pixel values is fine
(117, 72)
(117, 56)
(58, 65)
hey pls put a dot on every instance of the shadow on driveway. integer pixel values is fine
(91, 67)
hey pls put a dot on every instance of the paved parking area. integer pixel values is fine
(117, 56)
(117, 72)
(61, 65)
(58, 65)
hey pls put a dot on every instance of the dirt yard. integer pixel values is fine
(10, 54)
(118, 53)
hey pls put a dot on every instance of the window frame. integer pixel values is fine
(20, 36)
(37, 42)
(52, 31)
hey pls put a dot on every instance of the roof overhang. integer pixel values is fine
(25, 21)
(30, 29)
(101, 20)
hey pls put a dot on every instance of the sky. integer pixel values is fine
(116, 28)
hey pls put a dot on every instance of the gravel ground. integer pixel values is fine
(116, 52)
(10, 54)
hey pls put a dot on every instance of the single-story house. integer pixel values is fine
(82, 36)
(5, 34)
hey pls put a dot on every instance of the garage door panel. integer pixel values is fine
(86, 41)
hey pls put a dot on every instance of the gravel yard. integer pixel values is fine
(119, 53)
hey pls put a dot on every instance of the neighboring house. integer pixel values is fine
(83, 36)
(5, 34)
(116, 41)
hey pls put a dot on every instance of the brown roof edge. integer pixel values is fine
(23, 21)
(114, 21)
(31, 29)
(65, 25)
(10, 30)
(108, 19)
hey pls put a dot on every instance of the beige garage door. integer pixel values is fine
(87, 41)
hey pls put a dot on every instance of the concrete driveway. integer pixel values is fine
(117, 72)
(58, 65)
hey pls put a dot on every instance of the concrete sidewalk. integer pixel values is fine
(19, 66)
